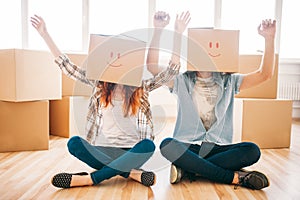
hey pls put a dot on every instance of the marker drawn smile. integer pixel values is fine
(119, 65)
(217, 55)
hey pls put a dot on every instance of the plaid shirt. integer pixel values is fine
(94, 116)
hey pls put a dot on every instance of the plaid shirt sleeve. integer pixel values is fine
(72, 70)
(144, 120)
(162, 78)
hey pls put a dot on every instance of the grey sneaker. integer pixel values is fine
(176, 174)
(253, 179)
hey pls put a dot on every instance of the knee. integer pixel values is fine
(167, 146)
(165, 143)
(148, 145)
(253, 152)
(73, 144)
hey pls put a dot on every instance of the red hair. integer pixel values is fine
(131, 96)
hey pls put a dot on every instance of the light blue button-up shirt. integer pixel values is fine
(189, 127)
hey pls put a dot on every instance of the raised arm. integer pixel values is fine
(160, 21)
(266, 29)
(39, 24)
(165, 77)
(67, 67)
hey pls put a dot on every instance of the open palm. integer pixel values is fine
(39, 24)
(182, 21)
(267, 28)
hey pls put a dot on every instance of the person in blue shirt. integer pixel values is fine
(202, 140)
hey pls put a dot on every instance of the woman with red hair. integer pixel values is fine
(119, 129)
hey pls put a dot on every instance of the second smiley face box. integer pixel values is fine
(116, 59)
(213, 50)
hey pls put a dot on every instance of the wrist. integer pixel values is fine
(158, 30)
(270, 39)
(44, 34)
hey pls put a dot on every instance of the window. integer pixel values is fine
(202, 12)
(10, 20)
(114, 17)
(290, 32)
(202, 15)
(246, 16)
(63, 20)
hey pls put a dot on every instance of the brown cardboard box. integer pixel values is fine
(116, 59)
(267, 89)
(213, 50)
(24, 126)
(68, 116)
(266, 122)
(28, 75)
(71, 87)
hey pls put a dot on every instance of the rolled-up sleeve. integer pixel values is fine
(162, 78)
(71, 70)
(237, 80)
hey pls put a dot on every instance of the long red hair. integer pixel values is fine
(131, 96)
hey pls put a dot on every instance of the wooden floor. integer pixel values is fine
(26, 175)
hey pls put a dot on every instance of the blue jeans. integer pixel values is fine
(211, 161)
(110, 161)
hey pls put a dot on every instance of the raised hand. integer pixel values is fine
(182, 21)
(39, 24)
(161, 19)
(267, 28)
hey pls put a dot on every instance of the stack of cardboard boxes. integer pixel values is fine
(28, 80)
(68, 115)
(259, 116)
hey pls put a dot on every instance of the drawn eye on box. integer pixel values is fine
(114, 59)
(214, 49)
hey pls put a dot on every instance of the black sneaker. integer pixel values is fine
(253, 179)
(176, 174)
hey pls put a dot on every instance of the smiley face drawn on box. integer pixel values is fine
(116, 59)
(214, 47)
(220, 46)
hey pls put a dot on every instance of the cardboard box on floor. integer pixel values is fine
(266, 122)
(24, 126)
(68, 116)
(28, 75)
(71, 87)
(267, 89)
(117, 59)
(213, 50)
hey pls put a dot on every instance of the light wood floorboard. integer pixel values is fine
(27, 175)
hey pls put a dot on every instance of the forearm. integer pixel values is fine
(163, 78)
(71, 70)
(265, 71)
(267, 64)
(153, 53)
(176, 48)
(51, 45)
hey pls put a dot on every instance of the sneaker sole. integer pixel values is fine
(173, 174)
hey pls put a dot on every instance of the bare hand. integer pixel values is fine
(39, 24)
(182, 22)
(161, 19)
(267, 28)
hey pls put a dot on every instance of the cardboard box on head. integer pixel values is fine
(213, 50)
(116, 59)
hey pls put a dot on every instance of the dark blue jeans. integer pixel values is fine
(211, 161)
(110, 161)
